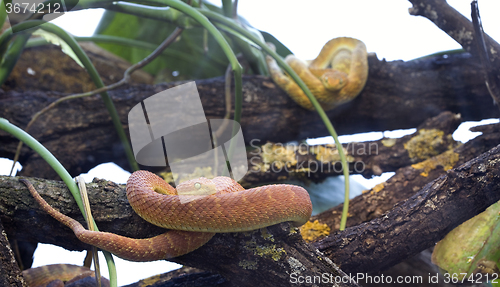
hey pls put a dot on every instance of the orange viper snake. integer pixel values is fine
(223, 206)
(336, 76)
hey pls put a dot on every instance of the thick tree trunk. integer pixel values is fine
(257, 254)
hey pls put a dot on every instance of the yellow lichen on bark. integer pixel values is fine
(270, 251)
(447, 160)
(328, 153)
(426, 144)
(279, 155)
(389, 142)
(314, 230)
(375, 189)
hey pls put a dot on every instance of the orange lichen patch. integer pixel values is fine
(426, 144)
(378, 187)
(375, 189)
(314, 230)
(447, 160)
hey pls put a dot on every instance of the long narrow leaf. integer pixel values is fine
(61, 171)
(29, 26)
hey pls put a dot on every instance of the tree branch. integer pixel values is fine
(24, 219)
(265, 257)
(394, 91)
(407, 180)
(455, 25)
(277, 162)
(419, 222)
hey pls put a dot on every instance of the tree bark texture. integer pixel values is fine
(278, 162)
(408, 180)
(420, 221)
(10, 274)
(483, 47)
(455, 25)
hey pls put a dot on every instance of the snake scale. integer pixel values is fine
(336, 76)
(194, 219)
(56, 275)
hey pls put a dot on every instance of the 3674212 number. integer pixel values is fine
(476, 278)
(33, 8)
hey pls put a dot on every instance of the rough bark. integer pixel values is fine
(483, 47)
(407, 181)
(278, 162)
(46, 68)
(419, 268)
(456, 25)
(397, 95)
(10, 274)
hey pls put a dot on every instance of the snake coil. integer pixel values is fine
(195, 219)
(336, 76)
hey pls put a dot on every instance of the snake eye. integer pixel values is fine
(197, 185)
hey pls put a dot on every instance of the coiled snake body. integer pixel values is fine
(336, 76)
(226, 207)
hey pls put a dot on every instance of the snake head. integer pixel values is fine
(333, 80)
(198, 186)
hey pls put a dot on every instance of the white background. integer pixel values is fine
(385, 26)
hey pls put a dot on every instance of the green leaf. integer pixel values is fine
(192, 56)
(473, 245)
(186, 57)
(54, 39)
(281, 49)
